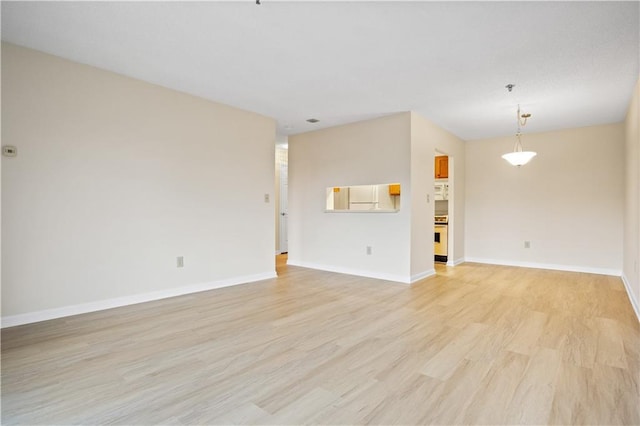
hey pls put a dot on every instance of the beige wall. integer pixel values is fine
(114, 179)
(369, 152)
(568, 201)
(631, 266)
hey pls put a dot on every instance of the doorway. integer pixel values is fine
(282, 176)
(444, 218)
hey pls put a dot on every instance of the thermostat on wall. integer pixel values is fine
(9, 151)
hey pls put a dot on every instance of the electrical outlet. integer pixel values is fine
(369, 250)
(527, 244)
(9, 151)
(180, 261)
(266, 198)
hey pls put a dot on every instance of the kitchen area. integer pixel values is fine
(441, 218)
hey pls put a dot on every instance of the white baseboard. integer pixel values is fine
(632, 297)
(455, 262)
(422, 275)
(65, 311)
(552, 266)
(350, 271)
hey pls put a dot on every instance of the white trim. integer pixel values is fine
(422, 275)
(552, 266)
(455, 262)
(65, 311)
(349, 271)
(632, 297)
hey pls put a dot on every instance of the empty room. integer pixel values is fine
(320, 212)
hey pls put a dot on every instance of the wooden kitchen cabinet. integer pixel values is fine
(442, 167)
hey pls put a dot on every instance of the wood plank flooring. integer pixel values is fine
(477, 344)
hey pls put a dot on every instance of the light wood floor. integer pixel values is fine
(477, 344)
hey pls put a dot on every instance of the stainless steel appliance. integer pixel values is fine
(441, 222)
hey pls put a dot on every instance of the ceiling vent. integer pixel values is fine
(312, 120)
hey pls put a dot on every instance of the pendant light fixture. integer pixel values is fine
(519, 157)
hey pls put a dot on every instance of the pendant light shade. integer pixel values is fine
(519, 157)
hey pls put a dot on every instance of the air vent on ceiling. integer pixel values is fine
(313, 120)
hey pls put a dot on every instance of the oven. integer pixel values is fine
(440, 238)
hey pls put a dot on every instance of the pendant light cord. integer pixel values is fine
(518, 145)
(522, 121)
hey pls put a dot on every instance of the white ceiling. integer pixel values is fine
(574, 63)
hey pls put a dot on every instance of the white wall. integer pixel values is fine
(631, 263)
(369, 152)
(568, 201)
(115, 178)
